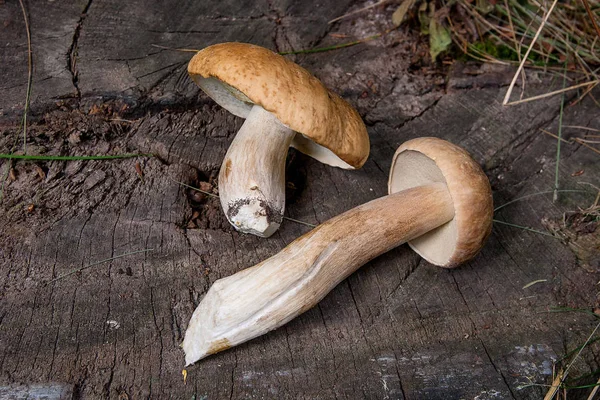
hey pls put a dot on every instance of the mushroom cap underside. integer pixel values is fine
(429, 160)
(239, 75)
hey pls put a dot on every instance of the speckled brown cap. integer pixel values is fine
(239, 75)
(428, 160)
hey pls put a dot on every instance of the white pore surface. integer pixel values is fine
(240, 105)
(226, 96)
(318, 152)
(412, 169)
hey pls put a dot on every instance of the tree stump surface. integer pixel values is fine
(399, 328)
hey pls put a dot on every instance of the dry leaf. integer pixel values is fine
(401, 11)
(439, 39)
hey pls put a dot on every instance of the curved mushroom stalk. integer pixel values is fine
(252, 176)
(264, 297)
(440, 203)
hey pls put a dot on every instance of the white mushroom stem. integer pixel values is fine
(266, 296)
(252, 176)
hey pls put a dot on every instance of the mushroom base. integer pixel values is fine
(256, 216)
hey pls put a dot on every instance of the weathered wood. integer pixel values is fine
(398, 328)
(51, 391)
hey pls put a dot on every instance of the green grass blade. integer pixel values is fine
(69, 158)
(525, 228)
(535, 194)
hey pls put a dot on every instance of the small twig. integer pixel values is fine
(216, 196)
(29, 75)
(543, 96)
(69, 158)
(572, 141)
(556, 137)
(585, 93)
(591, 15)
(521, 65)
(586, 145)
(96, 263)
(580, 140)
(358, 11)
(300, 222)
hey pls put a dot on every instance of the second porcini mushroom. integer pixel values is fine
(439, 201)
(284, 105)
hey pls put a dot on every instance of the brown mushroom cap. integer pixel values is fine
(428, 160)
(239, 75)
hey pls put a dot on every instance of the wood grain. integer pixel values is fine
(397, 328)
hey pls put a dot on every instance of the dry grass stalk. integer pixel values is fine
(522, 64)
(556, 36)
(577, 140)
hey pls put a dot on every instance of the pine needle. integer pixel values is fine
(337, 46)
(545, 95)
(525, 228)
(305, 51)
(586, 4)
(175, 49)
(214, 195)
(96, 263)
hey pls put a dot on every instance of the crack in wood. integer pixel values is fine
(73, 48)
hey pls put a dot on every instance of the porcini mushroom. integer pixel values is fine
(439, 201)
(283, 105)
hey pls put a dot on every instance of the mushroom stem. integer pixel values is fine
(266, 296)
(252, 176)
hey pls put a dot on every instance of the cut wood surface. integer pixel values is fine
(398, 328)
